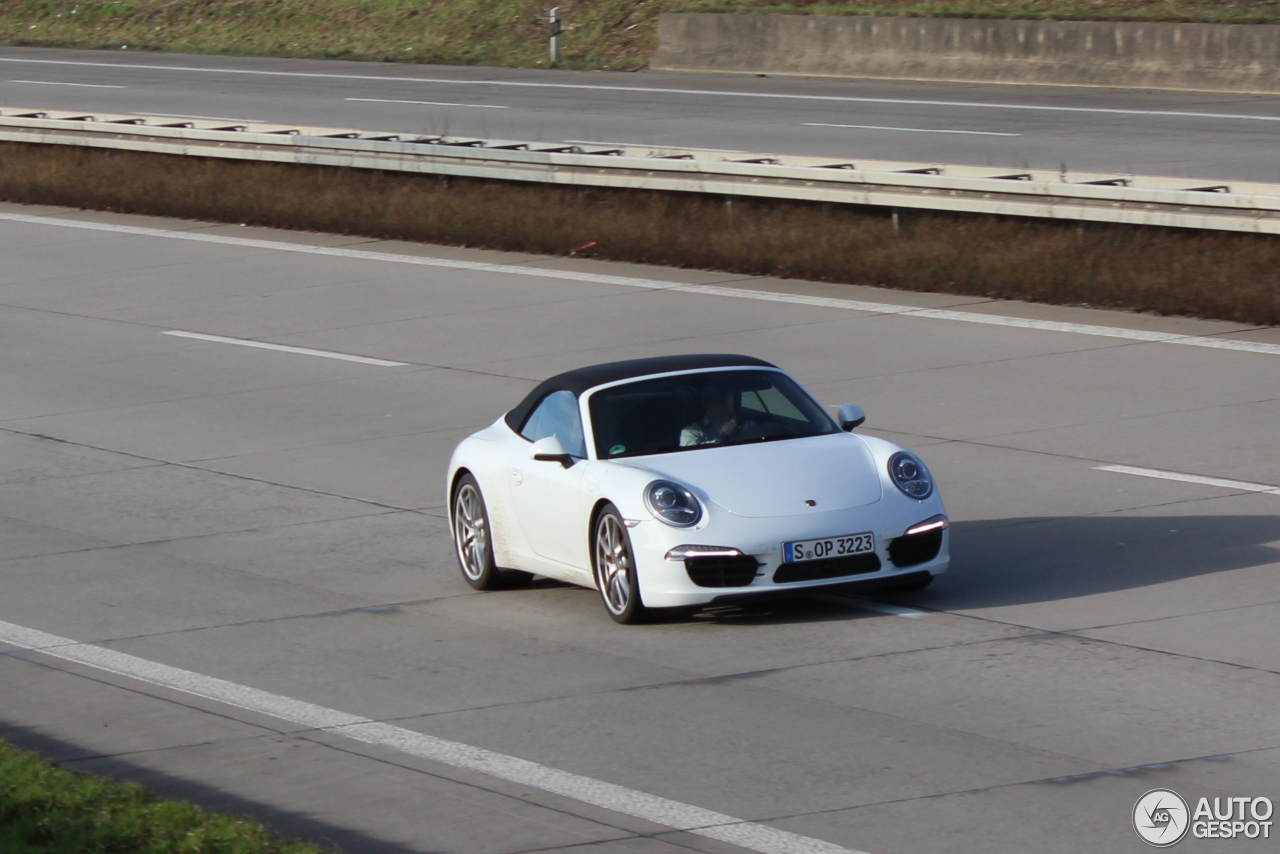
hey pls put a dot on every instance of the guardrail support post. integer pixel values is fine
(555, 35)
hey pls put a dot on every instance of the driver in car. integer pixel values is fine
(721, 420)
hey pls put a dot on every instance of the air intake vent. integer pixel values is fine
(717, 571)
(909, 551)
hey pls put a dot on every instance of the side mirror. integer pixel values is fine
(849, 416)
(551, 450)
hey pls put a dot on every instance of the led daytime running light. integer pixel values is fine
(686, 552)
(933, 523)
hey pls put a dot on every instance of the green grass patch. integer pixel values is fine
(45, 809)
(599, 33)
(610, 34)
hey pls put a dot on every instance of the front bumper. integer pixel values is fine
(671, 583)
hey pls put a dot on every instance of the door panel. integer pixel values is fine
(549, 502)
(546, 497)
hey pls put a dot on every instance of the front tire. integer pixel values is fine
(473, 543)
(614, 564)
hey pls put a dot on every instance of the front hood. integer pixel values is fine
(835, 472)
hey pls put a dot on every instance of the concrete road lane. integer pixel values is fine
(1195, 135)
(275, 520)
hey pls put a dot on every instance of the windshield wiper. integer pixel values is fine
(671, 449)
(779, 438)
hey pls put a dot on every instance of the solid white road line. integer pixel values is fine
(427, 103)
(909, 130)
(651, 90)
(654, 284)
(1237, 485)
(327, 354)
(668, 813)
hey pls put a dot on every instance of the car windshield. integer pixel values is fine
(691, 411)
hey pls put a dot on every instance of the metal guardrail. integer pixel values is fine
(1062, 195)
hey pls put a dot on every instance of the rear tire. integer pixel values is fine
(614, 565)
(473, 543)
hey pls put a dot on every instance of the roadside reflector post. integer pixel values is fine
(555, 35)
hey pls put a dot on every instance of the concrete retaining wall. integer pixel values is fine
(1204, 57)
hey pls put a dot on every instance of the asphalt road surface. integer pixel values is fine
(1207, 136)
(192, 510)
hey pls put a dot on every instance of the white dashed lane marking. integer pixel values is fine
(205, 118)
(81, 85)
(283, 348)
(655, 90)
(872, 605)
(1237, 485)
(427, 103)
(910, 130)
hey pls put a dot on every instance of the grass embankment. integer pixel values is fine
(1169, 271)
(49, 810)
(600, 33)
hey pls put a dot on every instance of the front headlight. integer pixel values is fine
(909, 474)
(672, 503)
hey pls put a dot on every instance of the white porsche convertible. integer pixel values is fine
(682, 481)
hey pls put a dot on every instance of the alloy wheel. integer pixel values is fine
(470, 531)
(613, 564)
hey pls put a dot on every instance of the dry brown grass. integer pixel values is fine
(1203, 274)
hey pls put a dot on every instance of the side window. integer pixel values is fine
(557, 415)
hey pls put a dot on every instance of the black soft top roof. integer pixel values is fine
(581, 379)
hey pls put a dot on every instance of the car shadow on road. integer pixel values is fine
(1041, 559)
(1025, 560)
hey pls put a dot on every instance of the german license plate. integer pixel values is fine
(849, 544)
